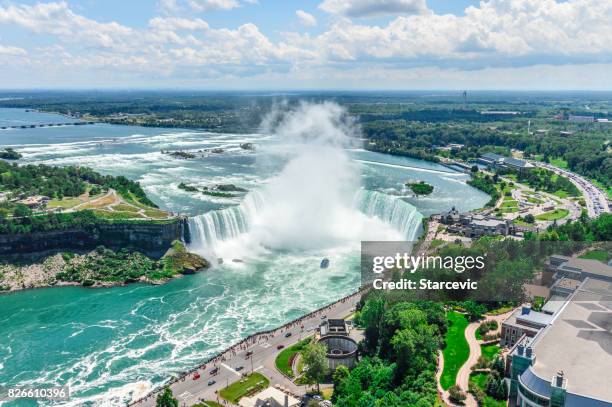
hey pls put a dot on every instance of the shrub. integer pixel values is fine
(456, 394)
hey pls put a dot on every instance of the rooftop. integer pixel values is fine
(593, 267)
(517, 163)
(579, 342)
(271, 393)
(492, 156)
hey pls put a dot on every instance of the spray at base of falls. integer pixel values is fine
(210, 229)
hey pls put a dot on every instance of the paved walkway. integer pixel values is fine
(463, 376)
(261, 350)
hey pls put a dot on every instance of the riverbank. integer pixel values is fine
(259, 347)
(98, 268)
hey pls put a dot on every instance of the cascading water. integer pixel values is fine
(225, 224)
(401, 215)
(222, 225)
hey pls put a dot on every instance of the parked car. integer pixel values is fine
(279, 347)
(239, 368)
(211, 382)
(249, 353)
(288, 334)
(214, 371)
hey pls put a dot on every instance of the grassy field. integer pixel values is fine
(284, 357)
(601, 255)
(244, 387)
(456, 351)
(509, 203)
(559, 163)
(116, 215)
(489, 352)
(553, 215)
(64, 203)
(208, 403)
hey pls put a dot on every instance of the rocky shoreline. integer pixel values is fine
(51, 271)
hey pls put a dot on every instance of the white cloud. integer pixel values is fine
(370, 8)
(497, 32)
(58, 19)
(9, 51)
(185, 6)
(306, 19)
(494, 34)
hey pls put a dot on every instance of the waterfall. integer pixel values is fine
(225, 224)
(394, 211)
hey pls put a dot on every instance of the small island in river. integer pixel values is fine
(420, 188)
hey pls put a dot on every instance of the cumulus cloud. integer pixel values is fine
(6, 50)
(58, 19)
(371, 8)
(496, 33)
(306, 19)
(178, 6)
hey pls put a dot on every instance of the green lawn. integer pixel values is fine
(520, 222)
(553, 215)
(208, 403)
(489, 352)
(244, 387)
(509, 203)
(283, 358)
(601, 255)
(456, 351)
(561, 194)
(480, 379)
(559, 163)
(534, 200)
(63, 203)
(436, 243)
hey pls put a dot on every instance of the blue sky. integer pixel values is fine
(312, 44)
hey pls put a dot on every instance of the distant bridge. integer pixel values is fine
(33, 126)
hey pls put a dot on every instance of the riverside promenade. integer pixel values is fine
(255, 353)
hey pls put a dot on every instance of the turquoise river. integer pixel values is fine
(114, 344)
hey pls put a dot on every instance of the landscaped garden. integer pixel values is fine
(479, 381)
(553, 215)
(246, 386)
(489, 352)
(284, 360)
(600, 255)
(456, 350)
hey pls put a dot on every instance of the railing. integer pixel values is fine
(183, 375)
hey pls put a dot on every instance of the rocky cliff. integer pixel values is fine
(151, 238)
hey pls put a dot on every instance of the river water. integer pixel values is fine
(110, 345)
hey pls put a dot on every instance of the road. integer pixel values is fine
(596, 199)
(264, 347)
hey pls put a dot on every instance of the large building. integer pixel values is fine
(568, 362)
(575, 268)
(499, 161)
(523, 322)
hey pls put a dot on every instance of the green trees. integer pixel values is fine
(401, 367)
(421, 188)
(60, 182)
(166, 399)
(10, 154)
(315, 362)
